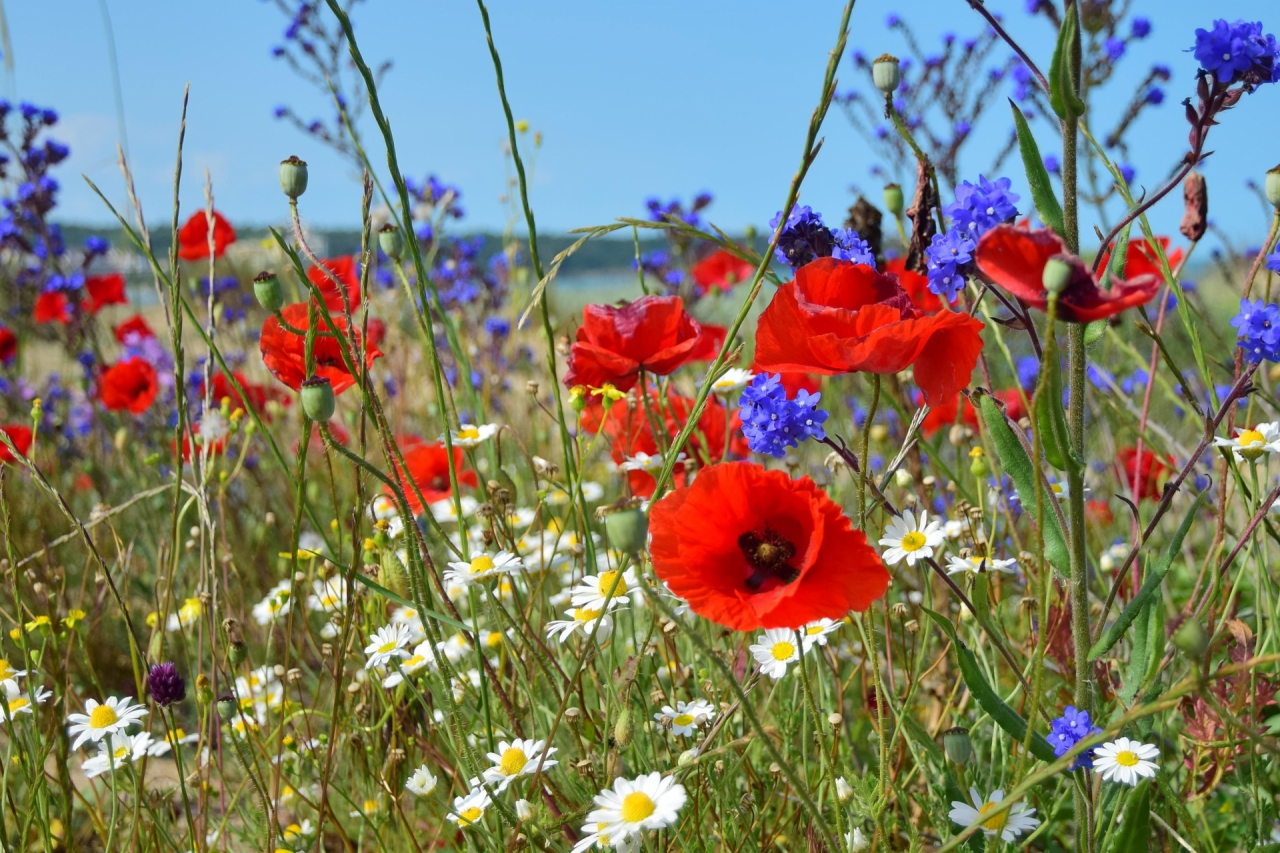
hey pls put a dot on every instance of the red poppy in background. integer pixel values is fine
(915, 284)
(129, 385)
(1098, 513)
(710, 344)
(377, 331)
(104, 290)
(135, 327)
(739, 447)
(428, 466)
(255, 396)
(344, 270)
(630, 431)
(1014, 258)
(751, 548)
(840, 317)
(1149, 470)
(1014, 406)
(721, 270)
(947, 414)
(793, 381)
(284, 353)
(1140, 259)
(654, 333)
(52, 307)
(193, 238)
(21, 438)
(8, 345)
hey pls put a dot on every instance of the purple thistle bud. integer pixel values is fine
(166, 685)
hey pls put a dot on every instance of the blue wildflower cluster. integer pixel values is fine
(1068, 730)
(674, 209)
(772, 423)
(805, 238)
(1238, 52)
(660, 264)
(977, 209)
(1258, 325)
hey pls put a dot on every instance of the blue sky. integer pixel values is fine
(633, 99)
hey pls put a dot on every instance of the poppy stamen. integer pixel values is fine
(767, 552)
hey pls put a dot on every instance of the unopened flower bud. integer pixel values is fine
(1271, 187)
(1192, 639)
(524, 809)
(886, 73)
(204, 692)
(1056, 275)
(903, 478)
(293, 177)
(893, 199)
(237, 652)
(979, 467)
(391, 241)
(844, 791)
(266, 287)
(623, 729)
(317, 398)
(687, 757)
(958, 746)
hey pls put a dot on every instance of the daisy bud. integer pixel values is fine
(204, 692)
(1192, 639)
(391, 241)
(979, 466)
(1056, 275)
(524, 809)
(1030, 604)
(903, 478)
(293, 177)
(844, 791)
(893, 199)
(628, 529)
(623, 729)
(958, 746)
(266, 287)
(886, 73)
(573, 715)
(1271, 187)
(317, 399)
(688, 757)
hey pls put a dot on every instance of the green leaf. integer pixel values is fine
(1135, 829)
(1119, 256)
(1150, 587)
(386, 593)
(1051, 419)
(1003, 715)
(1062, 93)
(1042, 194)
(1014, 461)
(1093, 333)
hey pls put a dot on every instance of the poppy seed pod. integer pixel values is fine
(293, 177)
(1056, 275)
(958, 746)
(318, 401)
(226, 708)
(886, 73)
(1271, 187)
(237, 651)
(266, 287)
(391, 241)
(628, 529)
(1192, 639)
(893, 199)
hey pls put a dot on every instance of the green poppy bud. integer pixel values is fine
(893, 200)
(391, 241)
(628, 529)
(886, 73)
(317, 398)
(293, 177)
(1056, 275)
(266, 287)
(226, 708)
(958, 746)
(623, 729)
(1192, 639)
(237, 652)
(1271, 187)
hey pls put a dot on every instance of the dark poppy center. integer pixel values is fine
(439, 483)
(768, 554)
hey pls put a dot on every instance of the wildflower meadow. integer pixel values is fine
(940, 523)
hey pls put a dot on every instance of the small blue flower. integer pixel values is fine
(1114, 48)
(771, 423)
(1155, 96)
(1258, 325)
(950, 259)
(1273, 261)
(1141, 28)
(1236, 52)
(1127, 172)
(1052, 164)
(1068, 730)
(979, 208)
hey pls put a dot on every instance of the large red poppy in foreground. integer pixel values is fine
(721, 271)
(915, 284)
(193, 238)
(129, 385)
(344, 270)
(654, 333)
(20, 436)
(751, 548)
(840, 317)
(1014, 258)
(428, 466)
(284, 353)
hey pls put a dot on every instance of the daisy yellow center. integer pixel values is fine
(469, 433)
(1250, 436)
(18, 704)
(683, 719)
(585, 614)
(637, 806)
(292, 832)
(121, 751)
(814, 629)
(416, 660)
(1126, 758)
(483, 563)
(329, 600)
(470, 816)
(1056, 488)
(995, 824)
(612, 581)
(513, 761)
(913, 541)
(493, 640)
(190, 610)
(388, 647)
(370, 805)
(6, 671)
(103, 716)
(783, 650)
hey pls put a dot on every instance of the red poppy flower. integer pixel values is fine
(710, 344)
(344, 270)
(1098, 513)
(739, 447)
(428, 466)
(134, 328)
(751, 548)
(255, 396)
(284, 353)
(944, 416)
(840, 317)
(129, 385)
(8, 345)
(193, 238)
(104, 290)
(21, 438)
(793, 381)
(915, 284)
(1141, 259)
(1014, 258)
(377, 331)
(630, 431)
(721, 270)
(52, 307)
(1149, 470)
(654, 333)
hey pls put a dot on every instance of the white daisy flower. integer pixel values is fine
(978, 564)
(1127, 761)
(445, 510)
(116, 751)
(855, 841)
(1009, 825)
(1250, 444)
(99, 720)
(731, 381)
(295, 833)
(482, 566)
(277, 603)
(600, 840)
(815, 633)
(644, 462)
(188, 614)
(594, 590)
(470, 435)
(329, 595)
(954, 529)
(17, 701)
(907, 540)
(1115, 555)
(581, 619)
(591, 491)
(388, 642)
(455, 647)
(635, 805)
(686, 717)
(470, 808)
(8, 673)
(421, 783)
(422, 657)
(517, 758)
(1061, 490)
(774, 650)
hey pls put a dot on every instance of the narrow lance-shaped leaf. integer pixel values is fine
(1042, 195)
